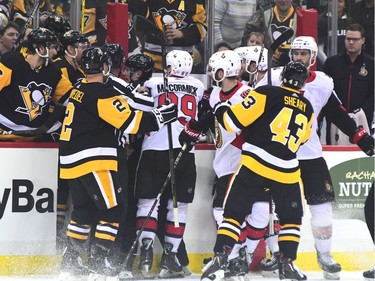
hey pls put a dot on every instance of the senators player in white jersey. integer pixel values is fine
(318, 189)
(184, 91)
(89, 162)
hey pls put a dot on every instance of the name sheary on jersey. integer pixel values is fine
(295, 102)
(179, 88)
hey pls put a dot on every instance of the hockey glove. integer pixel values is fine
(363, 140)
(221, 106)
(165, 114)
(190, 134)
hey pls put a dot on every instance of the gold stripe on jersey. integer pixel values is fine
(87, 167)
(200, 19)
(105, 183)
(244, 113)
(268, 172)
(5, 76)
(115, 110)
(63, 87)
(64, 71)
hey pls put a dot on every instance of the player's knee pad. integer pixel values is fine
(321, 215)
(114, 214)
(144, 206)
(259, 216)
(284, 221)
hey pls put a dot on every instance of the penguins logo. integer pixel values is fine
(35, 97)
(172, 17)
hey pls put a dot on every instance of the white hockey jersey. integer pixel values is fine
(228, 145)
(317, 90)
(185, 93)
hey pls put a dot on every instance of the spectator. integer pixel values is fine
(273, 21)
(353, 76)
(343, 20)
(222, 46)
(6, 7)
(8, 37)
(230, 19)
(363, 13)
(256, 38)
(183, 23)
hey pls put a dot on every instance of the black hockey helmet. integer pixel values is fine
(73, 37)
(294, 75)
(41, 36)
(57, 24)
(141, 62)
(93, 59)
(116, 52)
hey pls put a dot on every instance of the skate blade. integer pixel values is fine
(165, 273)
(68, 276)
(125, 275)
(331, 276)
(270, 274)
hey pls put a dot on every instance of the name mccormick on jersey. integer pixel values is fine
(187, 89)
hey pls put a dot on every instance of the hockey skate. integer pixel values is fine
(169, 264)
(72, 267)
(100, 267)
(215, 269)
(369, 274)
(146, 258)
(289, 271)
(237, 267)
(331, 269)
(270, 267)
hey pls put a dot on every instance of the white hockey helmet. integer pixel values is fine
(251, 54)
(229, 61)
(305, 43)
(181, 63)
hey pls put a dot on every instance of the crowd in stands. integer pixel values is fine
(58, 72)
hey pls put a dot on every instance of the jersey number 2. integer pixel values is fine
(65, 130)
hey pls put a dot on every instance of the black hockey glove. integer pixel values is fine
(190, 134)
(363, 140)
(165, 114)
(220, 107)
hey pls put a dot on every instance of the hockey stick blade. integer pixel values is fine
(144, 28)
(285, 36)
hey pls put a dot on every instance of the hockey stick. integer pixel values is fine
(143, 28)
(28, 21)
(83, 6)
(139, 232)
(285, 36)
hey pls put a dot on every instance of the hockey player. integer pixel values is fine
(268, 161)
(88, 161)
(137, 69)
(73, 43)
(185, 91)
(30, 83)
(315, 175)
